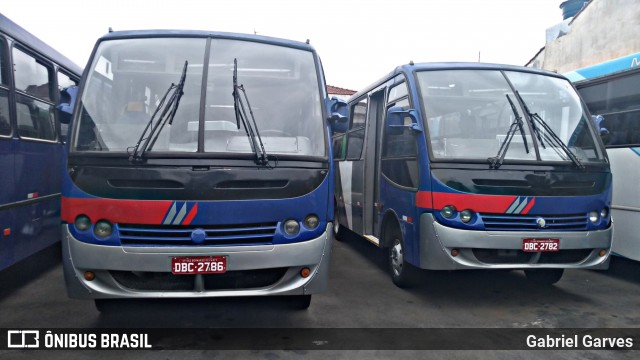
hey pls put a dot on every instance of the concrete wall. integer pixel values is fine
(604, 30)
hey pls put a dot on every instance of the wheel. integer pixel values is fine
(300, 302)
(402, 273)
(544, 276)
(337, 229)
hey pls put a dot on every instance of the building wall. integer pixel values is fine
(604, 30)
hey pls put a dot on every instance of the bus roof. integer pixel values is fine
(129, 34)
(409, 68)
(18, 33)
(605, 68)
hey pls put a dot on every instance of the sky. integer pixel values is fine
(359, 41)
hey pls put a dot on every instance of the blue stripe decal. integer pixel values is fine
(605, 68)
(636, 150)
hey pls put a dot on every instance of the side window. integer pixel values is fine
(355, 135)
(400, 153)
(5, 123)
(34, 101)
(64, 81)
(339, 147)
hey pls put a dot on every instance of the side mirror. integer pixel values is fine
(396, 120)
(65, 106)
(339, 115)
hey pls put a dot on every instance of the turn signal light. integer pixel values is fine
(602, 252)
(89, 275)
(305, 272)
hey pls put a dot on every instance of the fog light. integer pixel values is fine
(305, 272)
(448, 211)
(89, 275)
(594, 216)
(291, 227)
(103, 229)
(454, 252)
(82, 223)
(604, 213)
(311, 222)
(602, 252)
(466, 215)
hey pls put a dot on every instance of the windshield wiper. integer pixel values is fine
(549, 135)
(166, 116)
(496, 161)
(255, 141)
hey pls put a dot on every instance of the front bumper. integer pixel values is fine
(145, 272)
(503, 249)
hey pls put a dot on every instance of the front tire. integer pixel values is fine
(105, 306)
(338, 233)
(403, 274)
(300, 302)
(546, 277)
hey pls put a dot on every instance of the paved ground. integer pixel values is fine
(360, 295)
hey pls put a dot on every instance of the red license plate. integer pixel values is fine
(198, 265)
(540, 245)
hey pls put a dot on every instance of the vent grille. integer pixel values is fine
(507, 222)
(231, 280)
(178, 235)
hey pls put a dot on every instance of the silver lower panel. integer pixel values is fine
(79, 257)
(502, 249)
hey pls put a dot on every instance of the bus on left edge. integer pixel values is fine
(31, 141)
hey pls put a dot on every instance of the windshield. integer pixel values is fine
(469, 116)
(131, 76)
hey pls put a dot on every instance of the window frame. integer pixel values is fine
(51, 101)
(388, 104)
(361, 127)
(6, 86)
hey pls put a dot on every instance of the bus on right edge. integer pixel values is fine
(610, 89)
(453, 166)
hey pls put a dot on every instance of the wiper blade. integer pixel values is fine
(166, 116)
(549, 135)
(496, 161)
(255, 141)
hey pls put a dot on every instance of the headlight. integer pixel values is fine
(82, 223)
(448, 211)
(604, 213)
(594, 217)
(311, 222)
(291, 227)
(466, 215)
(103, 229)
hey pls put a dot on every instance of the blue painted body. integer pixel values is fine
(405, 206)
(30, 179)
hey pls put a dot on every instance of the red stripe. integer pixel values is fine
(191, 215)
(528, 207)
(424, 199)
(474, 202)
(116, 211)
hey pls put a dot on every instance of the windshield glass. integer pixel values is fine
(469, 115)
(131, 76)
